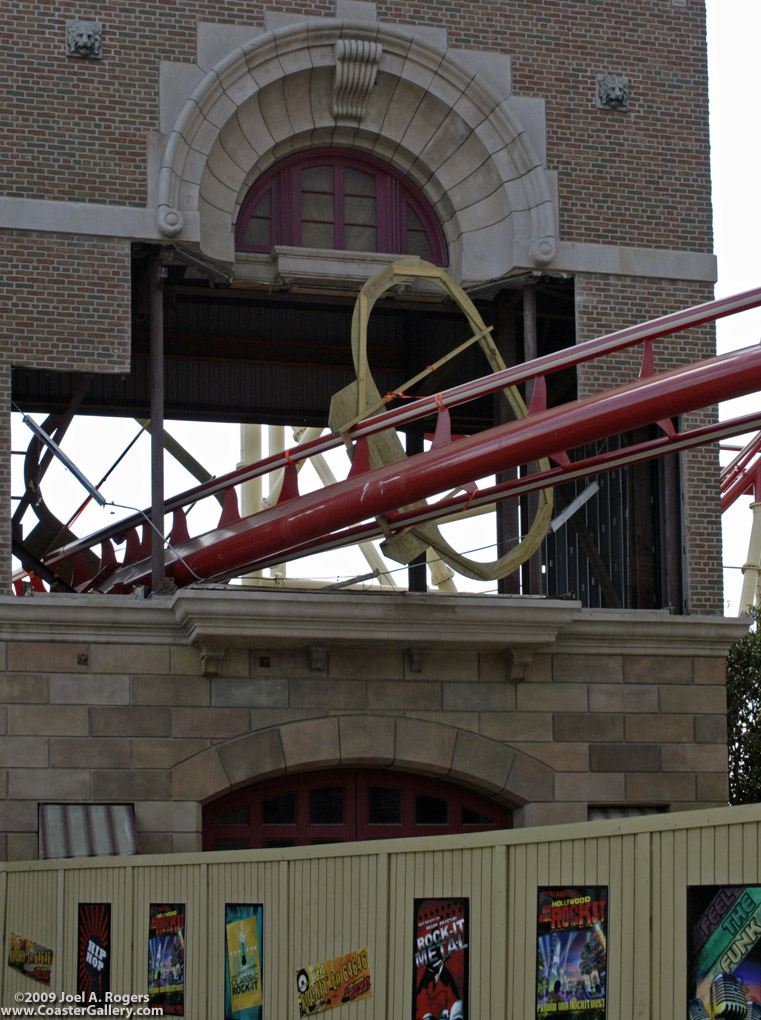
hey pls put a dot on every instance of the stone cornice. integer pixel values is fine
(645, 632)
(287, 265)
(394, 620)
(119, 618)
(212, 618)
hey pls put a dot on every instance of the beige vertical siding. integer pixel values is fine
(322, 902)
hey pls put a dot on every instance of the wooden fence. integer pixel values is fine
(320, 903)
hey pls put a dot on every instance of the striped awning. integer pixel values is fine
(87, 830)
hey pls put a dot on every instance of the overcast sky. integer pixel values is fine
(734, 33)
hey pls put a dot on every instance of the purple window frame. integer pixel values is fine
(393, 193)
(355, 784)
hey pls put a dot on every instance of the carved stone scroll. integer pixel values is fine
(356, 69)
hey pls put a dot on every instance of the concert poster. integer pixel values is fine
(723, 951)
(94, 951)
(572, 951)
(243, 961)
(30, 958)
(166, 957)
(322, 986)
(440, 944)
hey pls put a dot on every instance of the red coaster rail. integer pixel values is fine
(347, 511)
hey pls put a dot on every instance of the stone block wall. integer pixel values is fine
(171, 702)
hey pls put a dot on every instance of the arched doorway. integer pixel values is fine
(343, 805)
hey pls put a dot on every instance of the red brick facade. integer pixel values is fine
(604, 304)
(78, 128)
(172, 702)
(79, 131)
(67, 302)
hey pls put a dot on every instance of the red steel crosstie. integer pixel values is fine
(338, 513)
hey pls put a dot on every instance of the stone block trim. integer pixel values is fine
(637, 720)
(461, 143)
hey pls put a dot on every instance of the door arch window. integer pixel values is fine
(344, 805)
(338, 199)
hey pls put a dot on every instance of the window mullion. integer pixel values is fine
(392, 196)
(393, 220)
(302, 813)
(338, 206)
(291, 196)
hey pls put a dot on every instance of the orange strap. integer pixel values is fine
(470, 499)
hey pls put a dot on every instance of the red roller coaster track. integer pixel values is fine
(348, 511)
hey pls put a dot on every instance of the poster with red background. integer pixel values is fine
(94, 950)
(440, 944)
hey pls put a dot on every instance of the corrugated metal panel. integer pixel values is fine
(32, 909)
(87, 830)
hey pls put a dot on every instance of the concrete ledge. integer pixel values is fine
(297, 265)
(390, 621)
(87, 218)
(662, 264)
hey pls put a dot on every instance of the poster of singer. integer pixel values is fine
(243, 961)
(94, 951)
(30, 958)
(572, 951)
(723, 951)
(440, 940)
(166, 958)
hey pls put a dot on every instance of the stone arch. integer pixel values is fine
(426, 115)
(378, 741)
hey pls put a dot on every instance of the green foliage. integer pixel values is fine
(744, 715)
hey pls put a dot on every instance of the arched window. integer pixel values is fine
(344, 805)
(340, 200)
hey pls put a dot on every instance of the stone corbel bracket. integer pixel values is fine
(415, 658)
(520, 660)
(356, 70)
(211, 656)
(318, 658)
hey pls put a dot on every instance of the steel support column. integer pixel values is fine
(155, 282)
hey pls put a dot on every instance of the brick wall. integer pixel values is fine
(78, 128)
(607, 303)
(619, 182)
(66, 306)
(614, 708)
(67, 302)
